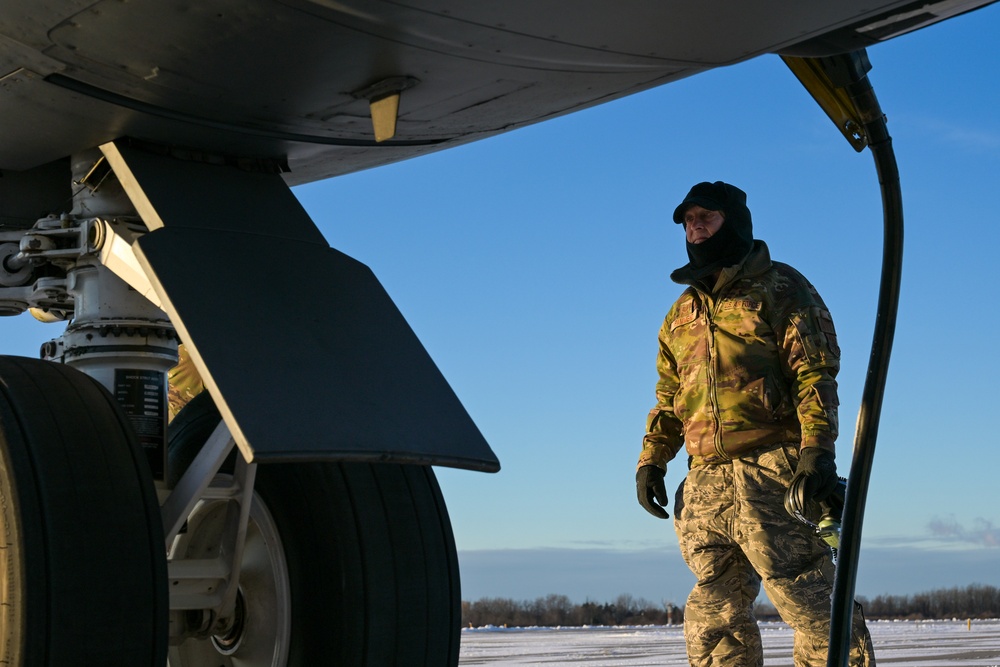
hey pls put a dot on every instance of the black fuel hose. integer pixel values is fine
(880, 143)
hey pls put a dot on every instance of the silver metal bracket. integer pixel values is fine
(209, 584)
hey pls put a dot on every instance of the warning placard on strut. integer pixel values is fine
(142, 394)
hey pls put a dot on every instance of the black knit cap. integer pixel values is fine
(734, 239)
(716, 196)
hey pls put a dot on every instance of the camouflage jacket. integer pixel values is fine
(752, 363)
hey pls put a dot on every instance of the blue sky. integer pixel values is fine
(534, 267)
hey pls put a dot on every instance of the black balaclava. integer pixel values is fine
(734, 239)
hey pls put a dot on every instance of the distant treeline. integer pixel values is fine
(557, 610)
(975, 601)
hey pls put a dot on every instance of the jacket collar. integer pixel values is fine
(756, 262)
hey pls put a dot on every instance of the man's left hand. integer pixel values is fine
(815, 478)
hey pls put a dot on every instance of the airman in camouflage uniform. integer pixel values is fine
(747, 364)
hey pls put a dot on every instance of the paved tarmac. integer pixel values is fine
(899, 644)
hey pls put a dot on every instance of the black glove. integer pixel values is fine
(815, 478)
(649, 485)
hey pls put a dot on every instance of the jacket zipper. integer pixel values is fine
(713, 390)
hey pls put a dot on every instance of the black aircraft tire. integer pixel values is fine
(370, 560)
(83, 578)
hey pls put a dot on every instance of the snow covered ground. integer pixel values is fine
(899, 643)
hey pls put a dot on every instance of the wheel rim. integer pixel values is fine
(11, 582)
(259, 636)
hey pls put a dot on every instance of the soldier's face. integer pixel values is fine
(700, 223)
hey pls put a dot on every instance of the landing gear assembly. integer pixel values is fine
(130, 543)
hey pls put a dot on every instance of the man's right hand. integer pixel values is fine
(652, 492)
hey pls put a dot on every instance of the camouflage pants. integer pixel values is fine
(735, 534)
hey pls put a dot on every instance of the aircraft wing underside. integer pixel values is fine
(290, 81)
